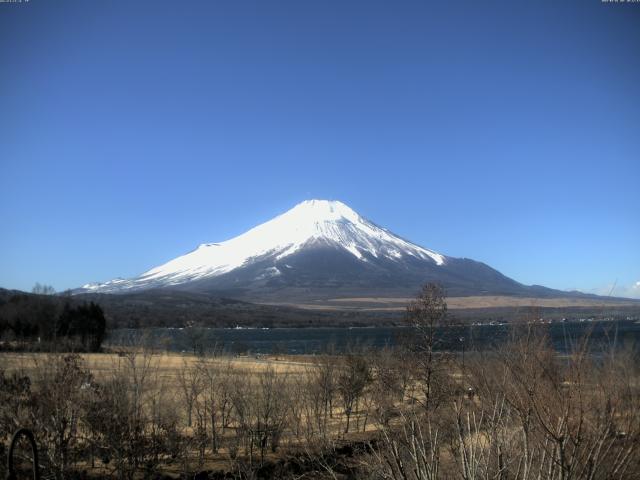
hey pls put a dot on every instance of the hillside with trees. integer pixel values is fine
(44, 322)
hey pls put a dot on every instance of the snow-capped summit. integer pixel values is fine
(317, 246)
(312, 222)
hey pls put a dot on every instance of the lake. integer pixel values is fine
(317, 340)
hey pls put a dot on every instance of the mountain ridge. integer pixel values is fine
(317, 250)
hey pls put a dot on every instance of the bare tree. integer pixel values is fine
(426, 313)
(262, 410)
(352, 379)
(216, 391)
(537, 416)
(190, 384)
(131, 418)
(40, 289)
(322, 388)
(62, 382)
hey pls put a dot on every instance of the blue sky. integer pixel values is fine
(506, 132)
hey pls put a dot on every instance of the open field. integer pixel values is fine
(167, 364)
(189, 387)
(138, 413)
(176, 377)
(392, 304)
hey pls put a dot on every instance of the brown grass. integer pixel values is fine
(460, 303)
(168, 364)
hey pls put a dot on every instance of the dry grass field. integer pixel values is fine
(167, 364)
(192, 392)
(393, 304)
(520, 412)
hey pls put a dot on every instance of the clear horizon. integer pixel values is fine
(131, 132)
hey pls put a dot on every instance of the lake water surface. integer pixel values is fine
(563, 335)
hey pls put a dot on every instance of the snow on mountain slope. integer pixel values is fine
(310, 222)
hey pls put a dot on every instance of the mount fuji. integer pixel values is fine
(318, 250)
